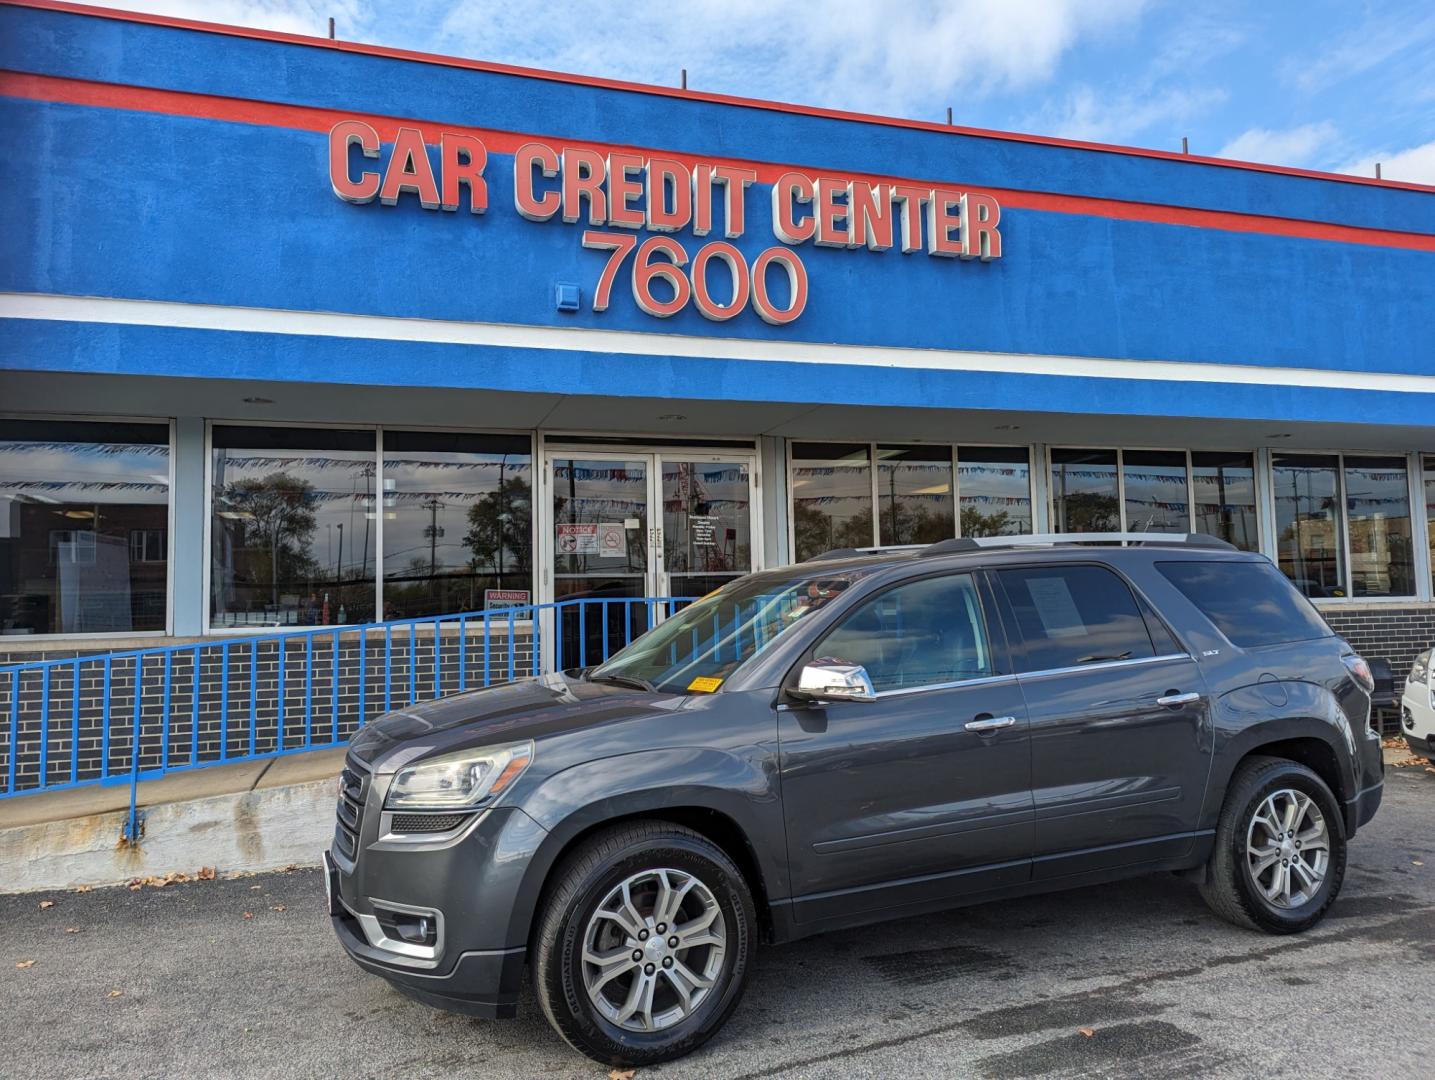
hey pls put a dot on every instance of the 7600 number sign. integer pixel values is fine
(748, 283)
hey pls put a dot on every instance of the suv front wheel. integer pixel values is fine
(644, 943)
(1280, 849)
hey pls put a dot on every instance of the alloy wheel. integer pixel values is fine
(653, 949)
(1288, 848)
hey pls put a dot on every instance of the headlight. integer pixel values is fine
(1360, 670)
(458, 781)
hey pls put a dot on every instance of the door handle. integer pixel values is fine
(1173, 701)
(990, 723)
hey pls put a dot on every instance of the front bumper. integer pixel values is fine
(473, 884)
(479, 982)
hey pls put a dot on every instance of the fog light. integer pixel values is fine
(409, 927)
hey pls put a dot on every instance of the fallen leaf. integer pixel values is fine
(249, 914)
(1088, 1032)
(72, 929)
(136, 885)
(621, 1074)
(23, 964)
(46, 903)
(1416, 862)
(115, 993)
(254, 887)
(81, 888)
(280, 907)
(206, 873)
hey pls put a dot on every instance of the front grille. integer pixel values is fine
(353, 787)
(426, 823)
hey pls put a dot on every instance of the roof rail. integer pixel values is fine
(856, 553)
(965, 545)
(952, 547)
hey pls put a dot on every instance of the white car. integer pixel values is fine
(1417, 707)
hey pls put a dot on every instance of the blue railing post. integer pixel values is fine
(131, 830)
(44, 725)
(14, 729)
(75, 727)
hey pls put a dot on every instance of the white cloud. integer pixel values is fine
(285, 16)
(1122, 117)
(1415, 165)
(1292, 146)
(915, 57)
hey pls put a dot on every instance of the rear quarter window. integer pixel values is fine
(1252, 603)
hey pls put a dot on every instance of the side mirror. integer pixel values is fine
(826, 679)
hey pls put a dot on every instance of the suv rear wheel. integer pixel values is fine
(644, 943)
(1280, 849)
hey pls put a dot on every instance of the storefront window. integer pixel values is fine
(914, 494)
(1157, 498)
(84, 527)
(1377, 500)
(831, 497)
(994, 490)
(458, 522)
(1430, 512)
(1084, 493)
(293, 528)
(1224, 491)
(1308, 527)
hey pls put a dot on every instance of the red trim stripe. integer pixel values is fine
(694, 95)
(307, 118)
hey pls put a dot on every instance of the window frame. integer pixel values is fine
(873, 465)
(170, 519)
(994, 631)
(1143, 605)
(1121, 451)
(1415, 501)
(211, 423)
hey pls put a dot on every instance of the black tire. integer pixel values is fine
(580, 884)
(1229, 888)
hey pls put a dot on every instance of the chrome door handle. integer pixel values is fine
(1173, 700)
(991, 723)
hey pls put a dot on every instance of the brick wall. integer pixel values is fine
(241, 702)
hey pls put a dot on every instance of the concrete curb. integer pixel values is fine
(263, 829)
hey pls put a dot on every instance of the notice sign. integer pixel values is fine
(577, 539)
(504, 598)
(702, 530)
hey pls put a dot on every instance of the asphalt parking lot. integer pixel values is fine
(180, 982)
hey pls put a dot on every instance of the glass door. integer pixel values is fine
(707, 529)
(628, 528)
(601, 553)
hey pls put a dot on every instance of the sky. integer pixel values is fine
(1318, 84)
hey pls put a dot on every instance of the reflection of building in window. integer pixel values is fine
(76, 546)
(148, 545)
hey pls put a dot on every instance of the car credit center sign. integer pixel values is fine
(581, 184)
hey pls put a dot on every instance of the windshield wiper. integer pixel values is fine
(624, 680)
(1096, 658)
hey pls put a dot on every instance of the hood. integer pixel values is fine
(531, 709)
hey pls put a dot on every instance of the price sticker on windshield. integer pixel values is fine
(704, 684)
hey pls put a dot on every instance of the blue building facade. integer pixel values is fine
(306, 333)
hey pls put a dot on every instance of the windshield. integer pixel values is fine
(700, 647)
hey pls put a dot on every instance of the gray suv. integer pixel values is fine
(860, 737)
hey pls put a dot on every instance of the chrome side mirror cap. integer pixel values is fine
(826, 679)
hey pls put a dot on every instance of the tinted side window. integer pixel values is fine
(1252, 603)
(918, 634)
(1074, 615)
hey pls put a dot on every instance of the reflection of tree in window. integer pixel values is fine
(274, 515)
(499, 528)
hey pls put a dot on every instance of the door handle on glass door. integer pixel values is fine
(1173, 700)
(984, 724)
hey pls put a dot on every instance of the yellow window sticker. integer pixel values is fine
(705, 684)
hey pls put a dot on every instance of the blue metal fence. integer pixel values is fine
(138, 714)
